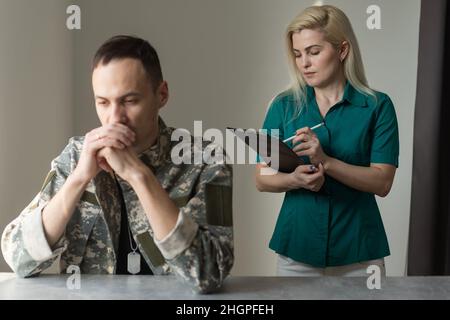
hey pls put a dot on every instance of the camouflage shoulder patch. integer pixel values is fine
(219, 206)
(150, 251)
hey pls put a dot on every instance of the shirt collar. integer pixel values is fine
(159, 153)
(351, 95)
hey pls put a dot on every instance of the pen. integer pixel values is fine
(315, 127)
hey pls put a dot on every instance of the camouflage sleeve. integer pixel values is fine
(24, 244)
(200, 247)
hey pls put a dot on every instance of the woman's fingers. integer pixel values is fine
(317, 182)
(310, 176)
(321, 168)
(305, 168)
(303, 146)
(302, 137)
(319, 178)
(306, 130)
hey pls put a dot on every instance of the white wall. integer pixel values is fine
(224, 60)
(36, 90)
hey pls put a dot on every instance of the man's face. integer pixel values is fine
(124, 94)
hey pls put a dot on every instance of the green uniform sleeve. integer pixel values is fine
(385, 143)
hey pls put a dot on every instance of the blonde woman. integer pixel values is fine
(329, 223)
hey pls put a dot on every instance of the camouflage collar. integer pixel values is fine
(159, 153)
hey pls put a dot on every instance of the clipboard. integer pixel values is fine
(288, 159)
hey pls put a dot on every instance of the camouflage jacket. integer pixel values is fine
(199, 249)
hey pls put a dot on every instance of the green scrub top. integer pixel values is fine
(338, 225)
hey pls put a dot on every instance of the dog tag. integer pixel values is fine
(134, 263)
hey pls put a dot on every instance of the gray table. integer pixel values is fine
(246, 288)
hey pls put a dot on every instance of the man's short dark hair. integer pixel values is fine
(122, 46)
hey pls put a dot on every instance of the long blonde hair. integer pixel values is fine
(337, 28)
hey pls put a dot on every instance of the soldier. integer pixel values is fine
(114, 195)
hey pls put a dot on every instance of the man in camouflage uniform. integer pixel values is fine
(179, 215)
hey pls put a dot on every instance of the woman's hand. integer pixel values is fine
(308, 177)
(307, 144)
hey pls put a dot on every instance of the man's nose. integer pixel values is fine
(118, 114)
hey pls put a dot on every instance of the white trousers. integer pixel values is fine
(286, 267)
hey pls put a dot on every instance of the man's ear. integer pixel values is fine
(163, 93)
(343, 52)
